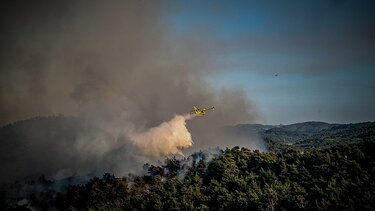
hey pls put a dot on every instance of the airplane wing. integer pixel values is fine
(201, 112)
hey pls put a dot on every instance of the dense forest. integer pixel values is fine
(308, 166)
(337, 178)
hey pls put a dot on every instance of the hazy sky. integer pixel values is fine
(150, 59)
(322, 51)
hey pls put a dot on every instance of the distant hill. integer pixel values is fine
(61, 129)
(311, 134)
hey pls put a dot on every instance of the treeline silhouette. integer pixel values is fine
(341, 177)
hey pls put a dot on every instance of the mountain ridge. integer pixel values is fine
(310, 134)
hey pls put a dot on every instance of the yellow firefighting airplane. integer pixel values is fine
(201, 112)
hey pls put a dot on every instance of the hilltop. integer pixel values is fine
(309, 134)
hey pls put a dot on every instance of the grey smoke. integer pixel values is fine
(114, 65)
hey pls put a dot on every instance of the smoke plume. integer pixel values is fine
(117, 66)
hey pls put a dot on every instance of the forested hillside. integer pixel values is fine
(309, 134)
(337, 178)
(309, 166)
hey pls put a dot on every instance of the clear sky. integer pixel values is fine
(323, 53)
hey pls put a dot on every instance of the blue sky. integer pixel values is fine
(322, 51)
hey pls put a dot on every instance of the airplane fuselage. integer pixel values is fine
(201, 112)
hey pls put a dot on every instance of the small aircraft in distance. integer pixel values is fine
(201, 112)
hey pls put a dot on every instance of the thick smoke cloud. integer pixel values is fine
(166, 139)
(115, 65)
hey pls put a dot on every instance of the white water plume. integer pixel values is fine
(166, 139)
